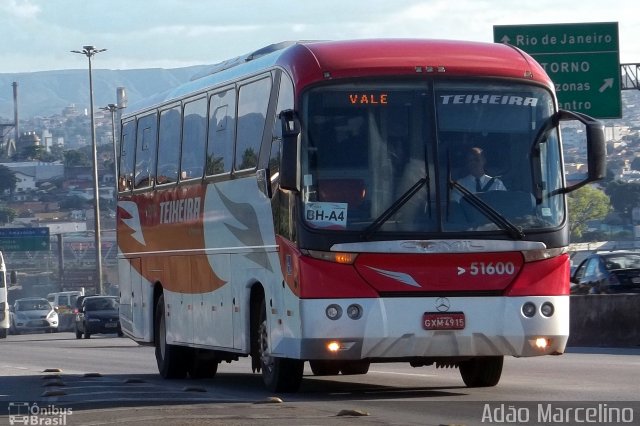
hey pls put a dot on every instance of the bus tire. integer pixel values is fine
(324, 367)
(170, 358)
(355, 367)
(278, 374)
(203, 364)
(482, 371)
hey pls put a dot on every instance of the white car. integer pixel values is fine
(33, 314)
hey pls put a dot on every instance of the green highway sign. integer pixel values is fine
(24, 239)
(583, 60)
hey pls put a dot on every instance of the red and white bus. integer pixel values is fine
(304, 203)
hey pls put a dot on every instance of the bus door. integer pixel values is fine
(134, 310)
(126, 273)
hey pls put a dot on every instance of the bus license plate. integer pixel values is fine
(443, 321)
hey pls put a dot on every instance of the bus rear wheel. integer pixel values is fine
(278, 374)
(170, 358)
(203, 365)
(482, 371)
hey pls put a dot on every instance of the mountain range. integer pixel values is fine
(46, 93)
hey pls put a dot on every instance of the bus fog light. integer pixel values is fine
(333, 312)
(333, 346)
(354, 311)
(529, 309)
(543, 343)
(547, 309)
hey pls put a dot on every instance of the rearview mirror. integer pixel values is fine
(596, 147)
(289, 166)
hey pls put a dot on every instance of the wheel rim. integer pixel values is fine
(265, 359)
(163, 337)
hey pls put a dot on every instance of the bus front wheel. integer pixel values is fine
(278, 374)
(324, 368)
(355, 367)
(170, 358)
(482, 371)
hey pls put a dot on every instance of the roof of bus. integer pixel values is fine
(309, 62)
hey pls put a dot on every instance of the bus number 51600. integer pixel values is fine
(492, 268)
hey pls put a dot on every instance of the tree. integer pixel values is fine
(7, 215)
(8, 180)
(57, 152)
(585, 204)
(249, 159)
(624, 197)
(76, 158)
(30, 153)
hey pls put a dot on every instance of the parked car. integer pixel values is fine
(98, 315)
(607, 272)
(33, 314)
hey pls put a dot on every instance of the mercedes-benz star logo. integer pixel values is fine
(442, 304)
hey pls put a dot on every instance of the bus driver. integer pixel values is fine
(477, 180)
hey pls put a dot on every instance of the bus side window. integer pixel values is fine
(222, 116)
(253, 101)
(127, 150)
(193, 139)
(146, 151)
(169, 145)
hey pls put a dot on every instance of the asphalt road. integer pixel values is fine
(107, 380)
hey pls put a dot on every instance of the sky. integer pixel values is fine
(38, 35)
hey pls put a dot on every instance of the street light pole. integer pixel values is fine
(112, 108)
(89, 52)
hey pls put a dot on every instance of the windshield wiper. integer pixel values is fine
(491, 213)
(401, 201)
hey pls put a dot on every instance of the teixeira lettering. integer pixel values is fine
(182, 210)
(489, 99)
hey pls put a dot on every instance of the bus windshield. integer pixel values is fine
(390, 156)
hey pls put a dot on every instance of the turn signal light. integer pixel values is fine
(333, 256)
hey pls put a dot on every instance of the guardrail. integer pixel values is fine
(605, 320)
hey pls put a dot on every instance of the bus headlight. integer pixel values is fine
(547, 309)
(529, 309)
(354, 311)
(333, 312)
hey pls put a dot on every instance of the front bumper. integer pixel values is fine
(102, 327)
(36, 325)
(392, 329)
